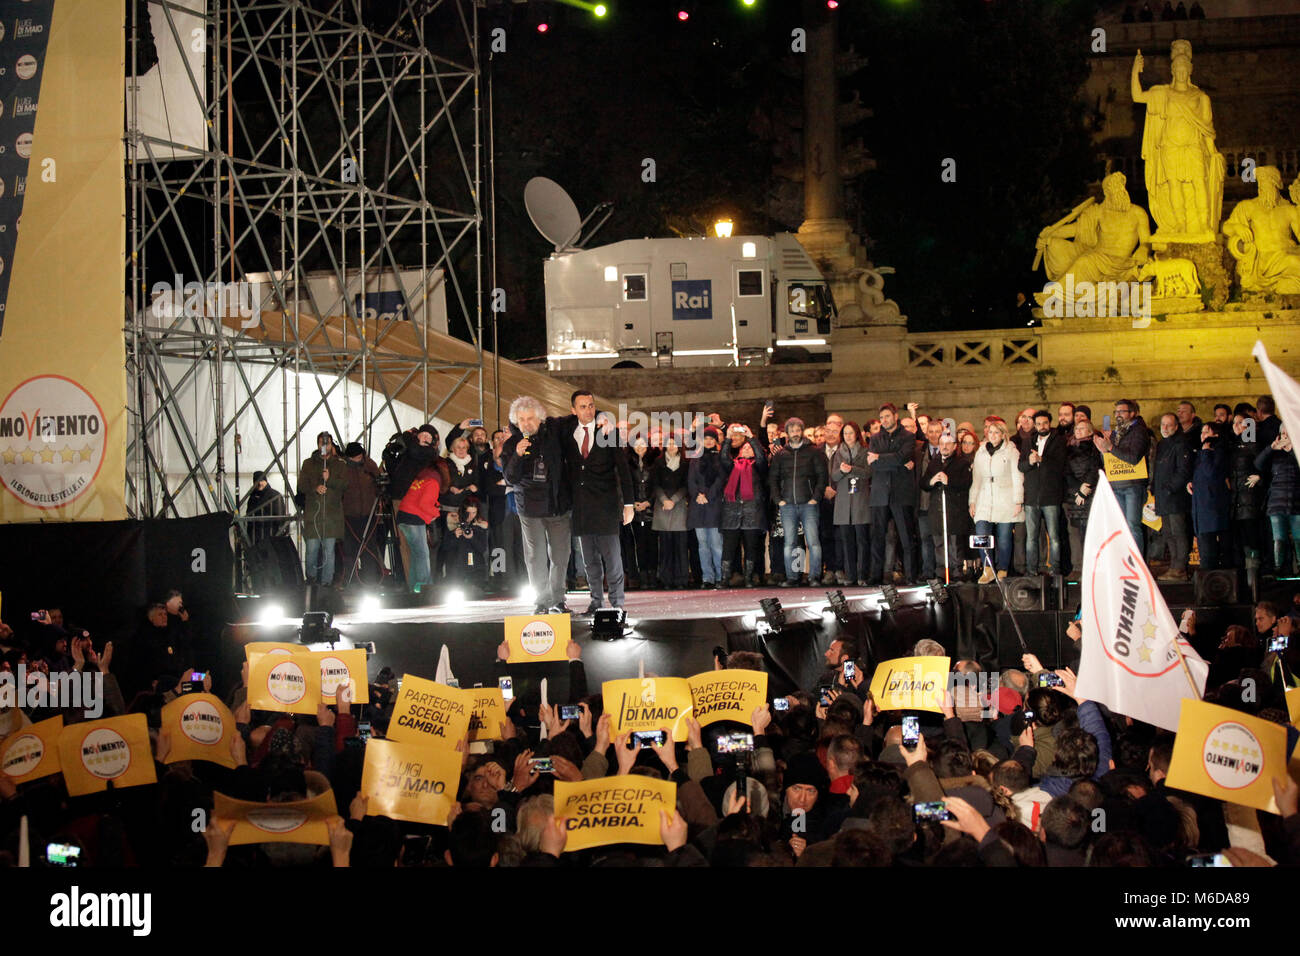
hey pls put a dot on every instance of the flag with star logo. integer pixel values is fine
(1133, 659)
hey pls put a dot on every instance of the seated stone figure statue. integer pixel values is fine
(1262, 234)
(1107, 242)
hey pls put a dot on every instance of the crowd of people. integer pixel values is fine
(829, 780)
(582, 502)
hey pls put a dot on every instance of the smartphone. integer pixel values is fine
(453, 682)
(541, 764)
(936, 810)
(1028, 716)
(476, 423)
(198, 676)
(1048, 679)
(363, 729)
(981, 542)
(769, 404)
(850, 670)
(781, 703)
(1278, 644)
(507, 687)
(825, 692)
(911, 732)
(649, 738)
(62, 854)
(735, 743)
(570, 712)
(37, 615)
(1208, 859)
(194, 686)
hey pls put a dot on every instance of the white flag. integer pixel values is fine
(443, 674)
(1133, 658)
(545, 703)
(1286, 394)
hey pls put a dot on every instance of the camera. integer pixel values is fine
(1208, 859)
(649, 738)
(507, 688)
(981, 542)
(195, 684)
(781, 703)
(935, 810)
(62, 854)
(541, 764)
(570, 712)
(850, 670)
(735, 743)
(1278, 644)
(363, 729)
(1048, 679)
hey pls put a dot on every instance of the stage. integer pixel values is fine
(674, 633)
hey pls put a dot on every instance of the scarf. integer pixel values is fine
(461, 463)
(673, 461)
(742, 480)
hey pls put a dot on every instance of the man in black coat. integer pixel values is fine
(1042, 462)
(796, 478)
(947, 481)
(891, 454)
(1171, 470)
(533, 460)
(602, 496)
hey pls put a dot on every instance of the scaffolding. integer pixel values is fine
(341, 151)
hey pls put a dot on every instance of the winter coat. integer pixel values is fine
(956, 496)
(1082, 465)
(462, 478)
(1211, 497)
(1171, 470)
(1283, 475)
(892, 482)
(1245, 499)
(997, 485)
(1132, 447)
(322, 515)
(641, 469)
(745, 515)
(797, 475)
(670, 484)
(1045, 481)
(601, 482)
(704, 476)
(265, 504)
(537, 496)
(422, 495)
(852, 488)
(361, 491)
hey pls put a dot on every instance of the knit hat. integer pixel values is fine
(259, 476)
(1008, 700)
(433, 432)
(792, 420)
(354, 448)
(711, 432)
(806, 769)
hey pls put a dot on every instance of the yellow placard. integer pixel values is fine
(1293, 704)
(97, 751)
(487, 713)
(1117, 469)
(1149, 516)
(910, 683)
(727, 695)
(648, 703)
(336, 666)
(412, 782)
(284, 682)
(1227, 755)
(427, 712)
(32, 752)
(200, 727)
(295, 821)
(613, 810)
(532, 638)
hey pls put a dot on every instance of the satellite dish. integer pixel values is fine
(552, 211)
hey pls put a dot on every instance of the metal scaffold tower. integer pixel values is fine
(331, 176)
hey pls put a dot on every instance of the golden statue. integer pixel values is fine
(1184, 171)
(1107, 242)
(1262, 234)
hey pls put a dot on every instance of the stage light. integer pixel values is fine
(938, 593)
(455, 596)
(773, 613)
(543, 27)
(528, 594)
(600, 9)
(889, 596)
(749, 621)
(832, 4)
(683, 15)
(607, 624)
(839, 606)
(369, 604)
(722, 228)
(270, 614)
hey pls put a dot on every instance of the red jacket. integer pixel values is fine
(422, 497)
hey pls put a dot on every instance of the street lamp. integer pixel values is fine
(722, 228)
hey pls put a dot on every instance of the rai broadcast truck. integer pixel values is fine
(697, 301)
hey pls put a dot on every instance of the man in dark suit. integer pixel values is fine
(602, 497)
(1042, 462)
(891, 455)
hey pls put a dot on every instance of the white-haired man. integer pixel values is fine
(533, 461)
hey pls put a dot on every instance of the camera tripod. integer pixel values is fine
(381, 516)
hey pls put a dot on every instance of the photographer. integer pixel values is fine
(359, 500)
(417, 515)
(406, 453)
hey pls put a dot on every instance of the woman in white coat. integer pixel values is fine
(997, 493)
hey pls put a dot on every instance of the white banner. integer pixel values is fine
(1286, 394)
(1133, 659)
